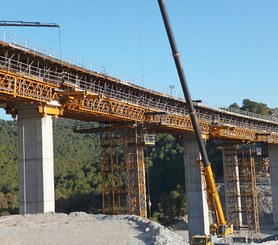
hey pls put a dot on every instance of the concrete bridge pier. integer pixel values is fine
(198, 215)
(273, 159)
(35, 156)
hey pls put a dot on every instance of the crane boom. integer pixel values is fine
(221, 226)
(27, 24)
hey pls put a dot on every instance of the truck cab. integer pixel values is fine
(201, 240)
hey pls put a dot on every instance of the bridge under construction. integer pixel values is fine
(35, 87)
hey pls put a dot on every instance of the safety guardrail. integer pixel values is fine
(53, 77)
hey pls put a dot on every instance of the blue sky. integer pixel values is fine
(229, 49)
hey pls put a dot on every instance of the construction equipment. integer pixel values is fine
(33, 24)
(220, 228)
(27, 24)
(197, 240)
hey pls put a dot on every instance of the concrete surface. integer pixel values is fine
(198, 218)
(35, 156)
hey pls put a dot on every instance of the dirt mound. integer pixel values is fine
(82, 228)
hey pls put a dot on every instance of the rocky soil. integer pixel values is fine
(264, 199)
(81, 228)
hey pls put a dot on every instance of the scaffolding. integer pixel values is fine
(123, 171)
(240, 183)
(232, 185)
(113, 172)
(135, 168)
(248, 191)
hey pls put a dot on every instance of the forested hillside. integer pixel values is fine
(77, 174)
(77, 169)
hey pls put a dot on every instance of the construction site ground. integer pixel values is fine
(82, 228)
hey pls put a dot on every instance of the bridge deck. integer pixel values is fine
(63, 89)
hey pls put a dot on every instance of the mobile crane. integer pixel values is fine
(220, 228)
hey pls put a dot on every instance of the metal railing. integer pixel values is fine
(52, 54)
(57, 78)
(65, 58)
(53, 77)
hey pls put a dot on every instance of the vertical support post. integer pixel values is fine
(249, 191)
(112, 172)
(135, 167)
(273, 159)
(123, 177)
(35, 156)
(198, 213)
(232, 185)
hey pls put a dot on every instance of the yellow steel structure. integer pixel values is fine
(105, 109)
(123, 171)
(242, 164)
(63, 89)
(248, 192)
(232, 185)
(19, 88)
(135, 169)
(113, 172)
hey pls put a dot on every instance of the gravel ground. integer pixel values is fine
(81, 228)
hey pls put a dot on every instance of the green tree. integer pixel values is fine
(235, 106)
(76, 161)
(255, 107)
(171, 206)
(166, 171)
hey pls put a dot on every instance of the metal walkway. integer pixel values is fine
(60, 88)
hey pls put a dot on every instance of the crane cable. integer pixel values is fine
(60, 42)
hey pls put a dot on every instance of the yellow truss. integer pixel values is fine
(16, 88)
(243, 134)
(23, 87)
(106, 108)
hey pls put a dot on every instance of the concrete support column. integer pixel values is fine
(198, 216)
(273, 169)
(35, 156)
